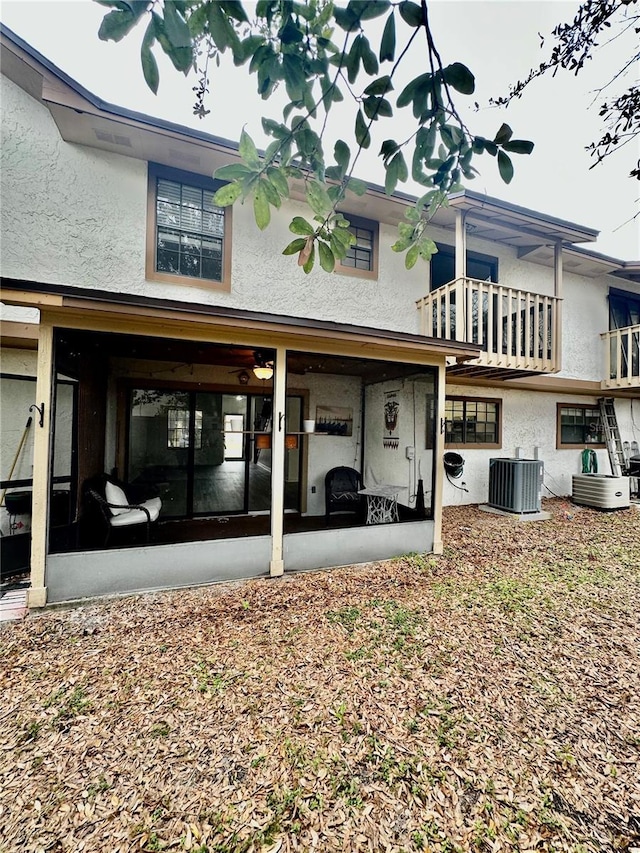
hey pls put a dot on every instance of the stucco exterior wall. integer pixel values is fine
(529, 422)
(88, 226)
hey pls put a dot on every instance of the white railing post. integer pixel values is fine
(522, 327)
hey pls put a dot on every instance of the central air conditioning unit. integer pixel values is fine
(603, 491)
(515, 485)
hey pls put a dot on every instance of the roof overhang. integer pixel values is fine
(63, 299)
(586, 262)
(84, 119)
(493, 219)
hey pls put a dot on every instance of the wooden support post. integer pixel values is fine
(558, 293)
(438, 453)
(37, 596)
(276, 566)
(461, 244)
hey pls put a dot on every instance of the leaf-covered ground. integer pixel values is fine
(484, 700)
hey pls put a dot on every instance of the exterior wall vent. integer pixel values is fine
(113, 139)
(515, 485)
(603, 491)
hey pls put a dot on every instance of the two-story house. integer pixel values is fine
(277, 422)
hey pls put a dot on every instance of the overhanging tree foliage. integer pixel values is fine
(574, 46)
(320, 54)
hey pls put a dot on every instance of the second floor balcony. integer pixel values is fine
(519, 331)
(622, 357)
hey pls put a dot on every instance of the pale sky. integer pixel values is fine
(497, 39)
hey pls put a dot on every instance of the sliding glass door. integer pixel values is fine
(207, 453)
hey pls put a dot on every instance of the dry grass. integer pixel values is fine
(485, 700)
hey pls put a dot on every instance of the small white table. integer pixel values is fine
(382, 503)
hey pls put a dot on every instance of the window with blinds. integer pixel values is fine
(188, 235)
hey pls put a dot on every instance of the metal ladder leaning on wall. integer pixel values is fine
(612, 436)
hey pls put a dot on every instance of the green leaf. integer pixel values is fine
(346, 19)
(247, 49)
(352, 59)
(380, 86)
(411, 13)
(248, 150)
(357, 186)
(391, 176)
(115, 25)
(396, 171)
(451, 136)
(503, 135)
(317, 198)
(235, 10)
(366, 9)
(388, 42)
(388, 148)
(176, 27)
(271, 193)
(505, 167)
(226, 195)
(294, 76)
(326, 257)
(298, 225)
(460, 78)
(518, 146)
(221, 30)
(369, 59)
(335, 193)
(232, 172)
(261, 210)
(409, 92)
(308, 265)
(384, 108)
(279, 180)
(295, 246)
(343, 236)
(412, 256)
(290, 33)
(427, 249)
(342, 156)
(148, 60)
(363, 137)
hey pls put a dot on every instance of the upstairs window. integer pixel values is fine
(472, 421)
(362, 257)
(188, 236)
(624, 309)
(443, 266)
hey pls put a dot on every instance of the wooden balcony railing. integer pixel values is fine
(622, 357)
(516, 329)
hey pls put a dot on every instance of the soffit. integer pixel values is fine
(74, 345)
(582, 262)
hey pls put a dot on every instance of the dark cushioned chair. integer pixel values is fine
(341, 486)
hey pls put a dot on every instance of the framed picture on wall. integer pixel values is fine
(334, 420)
